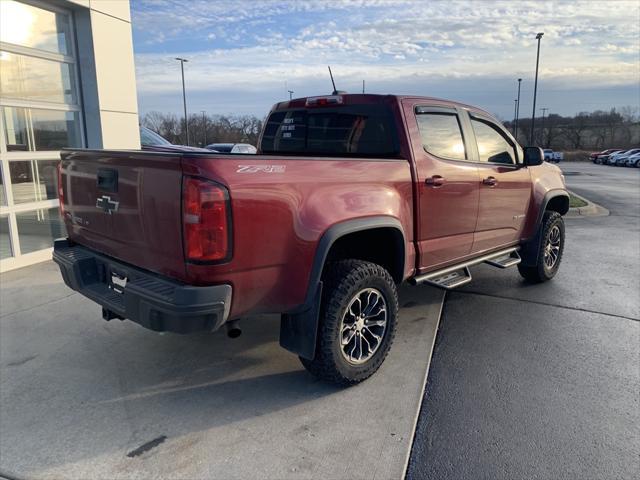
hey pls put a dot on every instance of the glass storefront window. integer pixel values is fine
(34, 27)
(36, 79)
(38, 229)
(5, 241)
(3, 198)
(29, 129)
(33, 180)
(40, 114)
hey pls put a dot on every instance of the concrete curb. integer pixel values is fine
(424, 387)
(590, 210)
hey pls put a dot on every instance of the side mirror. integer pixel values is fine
(533, 156)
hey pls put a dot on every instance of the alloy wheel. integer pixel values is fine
(552, 247)
(363, 326)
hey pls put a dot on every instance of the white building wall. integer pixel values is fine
(112, 88)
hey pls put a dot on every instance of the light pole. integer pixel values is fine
(544, 110)
(535, 88)
(517, 109)
(184, 98)
(290, 94)
(363, 86)
(204, 127)
(515, 113)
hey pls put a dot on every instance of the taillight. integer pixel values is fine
(60, 189)
(205, 218)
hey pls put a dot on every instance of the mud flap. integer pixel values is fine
(299, 331)
(530, 250)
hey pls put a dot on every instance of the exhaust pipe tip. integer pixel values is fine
(233, 329)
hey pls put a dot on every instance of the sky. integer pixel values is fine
(245, 55)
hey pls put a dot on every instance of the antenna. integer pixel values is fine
(362, 86)
(335, 92)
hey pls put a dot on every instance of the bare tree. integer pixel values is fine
(551, 130)
(153, 120)
(575, 131)
(216, 129)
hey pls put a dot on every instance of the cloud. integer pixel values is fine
(251, 47)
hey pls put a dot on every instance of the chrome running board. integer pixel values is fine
(505, 261)
(459, 274)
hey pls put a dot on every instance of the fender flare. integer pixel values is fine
(299, 327)
(530, 249)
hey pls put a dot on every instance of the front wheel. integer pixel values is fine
(549, 252)
(357, 322)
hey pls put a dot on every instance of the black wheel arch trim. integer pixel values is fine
(530, 249)
(299, 327)
(339, 230)
(551, 194)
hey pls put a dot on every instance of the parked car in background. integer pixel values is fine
(613, 158)
(604, 159)
(634, 160)
(232, 148)
(597, 157)
(619, 159)
(623, 160)
(151, 141)
(551, 156)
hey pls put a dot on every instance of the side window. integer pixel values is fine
(441, 135)
(493, 147)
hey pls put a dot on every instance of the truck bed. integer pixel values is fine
(280, 206)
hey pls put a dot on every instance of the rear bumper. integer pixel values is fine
(153, 301)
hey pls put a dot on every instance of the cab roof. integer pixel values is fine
(371, 98)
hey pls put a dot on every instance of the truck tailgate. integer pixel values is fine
(126, 205)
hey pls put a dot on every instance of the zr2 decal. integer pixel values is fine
(260, 169)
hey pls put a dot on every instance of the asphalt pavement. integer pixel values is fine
(543, 381)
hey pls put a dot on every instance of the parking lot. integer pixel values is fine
(543, 381)
(525, 381)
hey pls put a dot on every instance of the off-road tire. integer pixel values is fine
(341, 281)
(541, 272)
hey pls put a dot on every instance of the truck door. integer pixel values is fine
(447, 184)
(505, 187)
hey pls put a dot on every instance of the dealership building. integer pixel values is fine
(67, 79)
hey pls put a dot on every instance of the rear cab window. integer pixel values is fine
(366, 130)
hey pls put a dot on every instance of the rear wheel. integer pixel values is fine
(549, 252)
(357, 322)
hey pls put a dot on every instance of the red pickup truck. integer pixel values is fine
(349, 196)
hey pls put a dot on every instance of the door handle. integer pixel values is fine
(491, 181)
(434, 181)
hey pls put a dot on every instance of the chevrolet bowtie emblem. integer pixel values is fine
(107, 205)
